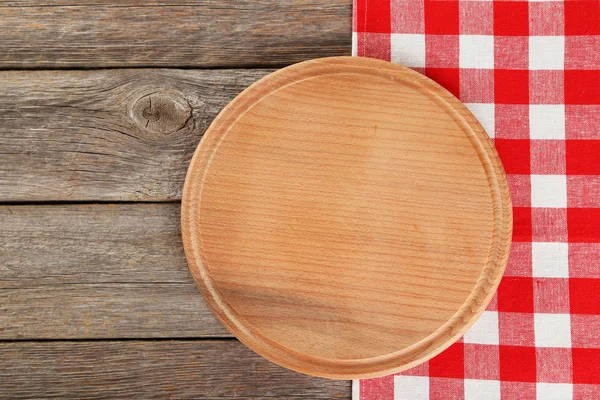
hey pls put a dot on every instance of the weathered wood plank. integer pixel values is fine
(56, 245)
(106, 311)
(97, 271)
(191, 33)
(154, 369)
(107, 134)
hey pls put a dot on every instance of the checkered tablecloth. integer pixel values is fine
(530, 72)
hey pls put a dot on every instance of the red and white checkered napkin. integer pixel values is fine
(530, 72)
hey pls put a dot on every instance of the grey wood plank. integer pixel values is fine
(54, 245)
(153, 369)
(106, 134)
(97, 271)
(191, 33)
(106, 311)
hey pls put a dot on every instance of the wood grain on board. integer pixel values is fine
(97, 271)
(191, 33)
(113, 273)
(371, 204)
(108, 135)
(221, 369)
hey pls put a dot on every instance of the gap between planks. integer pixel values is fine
(98, 271)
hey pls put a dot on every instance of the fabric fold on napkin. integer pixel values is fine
(530, 72)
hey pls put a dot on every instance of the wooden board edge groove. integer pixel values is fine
(432, 345)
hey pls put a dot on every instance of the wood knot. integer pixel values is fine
(161, 112)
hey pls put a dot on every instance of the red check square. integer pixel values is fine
(441, 17)
(517, 363)
(522, 229)
(511, 18)
(582, 17)
(450, 363)
(582, 87)
(373, 16)
(511, 86)
(447, 77)
(515, 155)
(515, 294)
(583, 157)
(583, 295)
(586, 366)
(583, 225)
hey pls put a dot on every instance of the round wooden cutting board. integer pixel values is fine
(346, 217)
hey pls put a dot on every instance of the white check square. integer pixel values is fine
(408, 49)
(485, 330)
(554, 391)
(550, 260)
(547, 121)
(476, 51)
(411, 387)
(484, 112)
(549, 191)
(552, 330)
(478, 389)
(547, 52)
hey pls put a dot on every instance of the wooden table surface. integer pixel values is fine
(102, 103)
